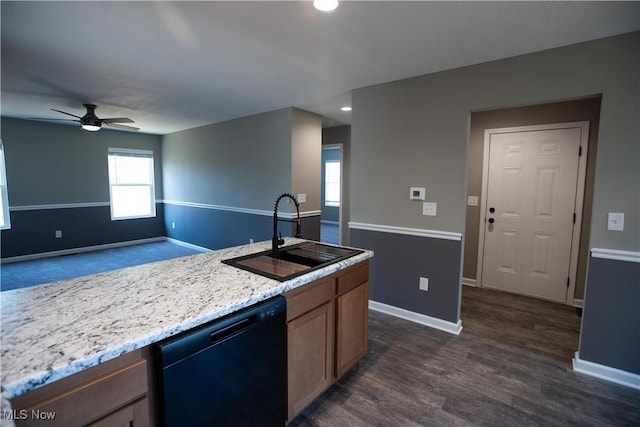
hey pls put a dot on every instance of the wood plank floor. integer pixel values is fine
(510, 366)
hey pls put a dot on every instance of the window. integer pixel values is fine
(5, 221)
(131, 183)
(332, 183)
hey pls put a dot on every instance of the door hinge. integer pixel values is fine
(580, 151)
(574, 217)
(568, 280)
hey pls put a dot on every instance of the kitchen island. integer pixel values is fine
(52, 331)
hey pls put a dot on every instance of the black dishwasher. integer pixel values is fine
(230, 372)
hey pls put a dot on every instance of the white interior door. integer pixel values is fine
(530, 205)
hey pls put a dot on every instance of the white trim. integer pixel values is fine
(286, 215)
(79, 250)
(469, 282)
(326, 221)
(59, 206)
(579, 197)
(615, 254)
(130, 151)
(606, 373)
(188, 245)
(436, 234)
(577, 302)
(432, 322)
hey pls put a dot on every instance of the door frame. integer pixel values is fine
(579, 201)
(338, 146)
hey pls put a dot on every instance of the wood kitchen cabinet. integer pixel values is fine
(327, 328)
(112, 394)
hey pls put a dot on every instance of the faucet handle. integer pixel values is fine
(280, 239)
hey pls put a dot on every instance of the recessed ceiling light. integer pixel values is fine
(346, 108)
(325, 5)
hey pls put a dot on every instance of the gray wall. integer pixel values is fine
(233, 172)
(242, 163)
(559, 112)
(49, 165)
(306, 152)
(55, 164)
(414, 132)
(342, 135)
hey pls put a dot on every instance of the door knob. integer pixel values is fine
(491, 220)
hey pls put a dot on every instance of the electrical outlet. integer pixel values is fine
(424, 284)
(302, 198)
(250, 240)
(173, 224)
(58, 234)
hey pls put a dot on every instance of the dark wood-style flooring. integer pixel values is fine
(510, 366)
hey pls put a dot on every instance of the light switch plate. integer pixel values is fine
(429, 208)
(472, 200)
(615, 221)
(417, 193)
(302, 198)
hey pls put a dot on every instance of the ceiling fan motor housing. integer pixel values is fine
(90, 118)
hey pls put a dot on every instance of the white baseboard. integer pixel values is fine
(469, 282)
(188, 245)
(606, 373)
(432, 322)
(71, 251)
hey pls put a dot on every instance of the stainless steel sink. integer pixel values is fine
(292, 261)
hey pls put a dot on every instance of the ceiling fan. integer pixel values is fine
(92, 123)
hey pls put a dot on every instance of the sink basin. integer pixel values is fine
(292, 261)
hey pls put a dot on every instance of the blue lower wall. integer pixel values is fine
(399, 263)
(33, 231)
(217, 229)
(611, 317)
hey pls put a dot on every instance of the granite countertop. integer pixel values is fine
(54, 330)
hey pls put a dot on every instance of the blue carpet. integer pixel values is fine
(30, 273)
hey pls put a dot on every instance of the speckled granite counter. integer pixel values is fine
(54, 330)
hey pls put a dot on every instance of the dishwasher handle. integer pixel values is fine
(232, 329)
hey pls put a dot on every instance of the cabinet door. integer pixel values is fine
(89, 395)
(310, 340)
(352, 310)
(133, 415)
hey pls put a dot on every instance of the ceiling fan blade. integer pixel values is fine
(68, 114)
(123, 127)
(51, 120)
(117, 120)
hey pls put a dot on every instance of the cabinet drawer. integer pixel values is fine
(92, 399)
(306, 298)
(353, 277)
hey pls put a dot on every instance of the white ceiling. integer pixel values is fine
(177, 65)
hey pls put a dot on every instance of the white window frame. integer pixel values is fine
(4, 191)
(129, 152)
(327, 202)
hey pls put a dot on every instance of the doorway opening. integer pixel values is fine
(581, 110)
(331, 194)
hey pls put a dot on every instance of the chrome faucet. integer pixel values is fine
(278, 240)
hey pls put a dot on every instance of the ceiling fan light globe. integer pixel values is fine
(325, 5)
(91, 128)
